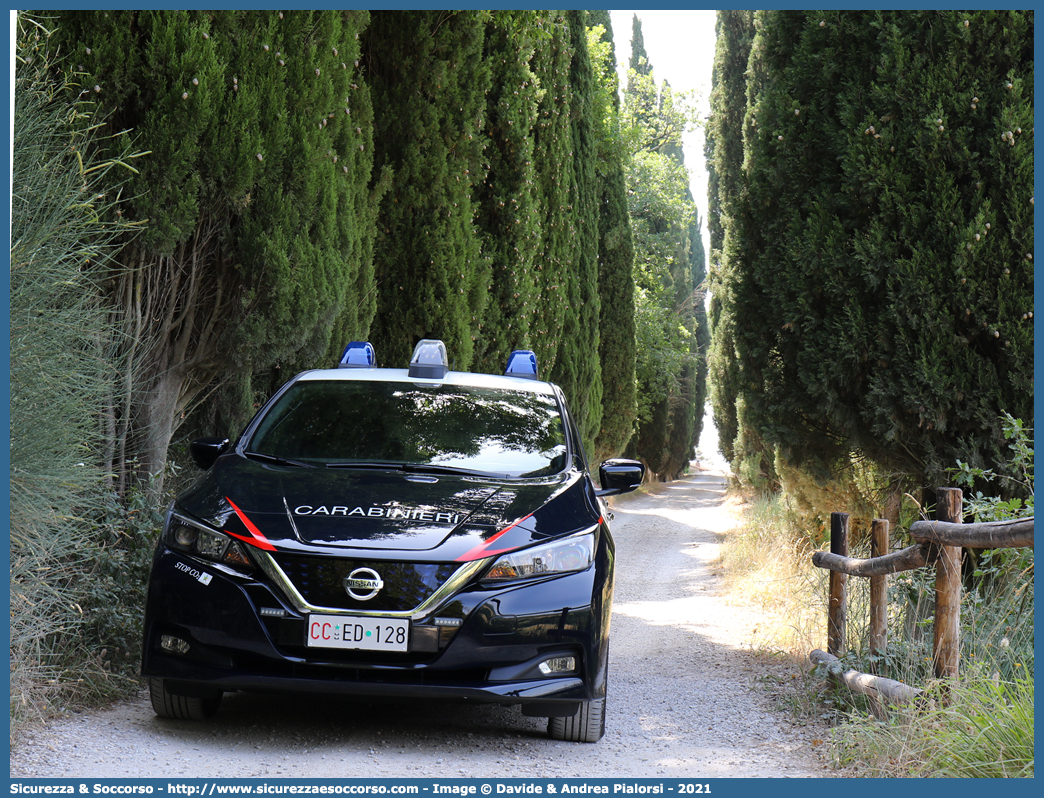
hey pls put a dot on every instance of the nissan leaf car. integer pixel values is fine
(413, 532)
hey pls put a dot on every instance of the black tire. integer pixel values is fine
(179, 707)
(586, 726)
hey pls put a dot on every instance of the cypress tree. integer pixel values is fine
(429, 81)
(552, 151)
(639, 62)
(701, 282)
(886, 279)
(662, 217)
(507, 198)
(577, 368)
(724, 148)
(254, 222)
(615, 254)
(685, 418)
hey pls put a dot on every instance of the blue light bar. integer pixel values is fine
(357, 355)
(429, 361)
(522, 363)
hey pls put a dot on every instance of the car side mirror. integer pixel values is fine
(619, 476)
(205, 451)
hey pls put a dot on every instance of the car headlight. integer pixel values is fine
(193, 538)
(560, 557)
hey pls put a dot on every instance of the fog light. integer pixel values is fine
(273, 612)
(452, 622)
(176, 645)
(550, 667)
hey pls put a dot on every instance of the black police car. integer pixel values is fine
(400, 532)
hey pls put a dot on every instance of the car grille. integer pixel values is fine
(320, 580)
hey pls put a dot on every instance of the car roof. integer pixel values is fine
(460, 378)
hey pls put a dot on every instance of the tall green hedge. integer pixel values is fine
(61, 339)
(429, 80)
(724, 152)
(508, 205)
(577, 368)
(880, 282)
(617, 343)
(257, 219)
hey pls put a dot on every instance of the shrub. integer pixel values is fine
(61, 376)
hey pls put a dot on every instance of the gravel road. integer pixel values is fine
(684, 700)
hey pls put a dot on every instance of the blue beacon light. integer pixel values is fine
(522, 363)
(358, 355)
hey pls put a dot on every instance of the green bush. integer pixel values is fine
(114, 595)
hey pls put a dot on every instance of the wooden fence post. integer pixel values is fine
(947, 642)
(879, 530)
(939, 542)
(838, 583)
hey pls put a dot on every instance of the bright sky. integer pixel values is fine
(680, 46)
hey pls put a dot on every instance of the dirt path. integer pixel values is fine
(683, 700)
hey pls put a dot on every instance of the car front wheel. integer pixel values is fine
(179, 707)
(586, 726)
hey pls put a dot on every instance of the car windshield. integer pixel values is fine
(348, 423)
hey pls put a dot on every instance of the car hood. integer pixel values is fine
(439, 517)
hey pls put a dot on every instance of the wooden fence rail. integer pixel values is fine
(930, 534)
(939, 543)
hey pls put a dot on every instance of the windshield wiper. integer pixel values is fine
(369, 464)
(410, 468)
(271, 458)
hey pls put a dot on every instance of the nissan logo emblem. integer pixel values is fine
(363, 584)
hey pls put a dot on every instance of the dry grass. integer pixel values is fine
(984, 728)
(767, 562)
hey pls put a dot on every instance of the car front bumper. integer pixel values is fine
(505, 633)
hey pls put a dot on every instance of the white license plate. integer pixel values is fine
(358, 632)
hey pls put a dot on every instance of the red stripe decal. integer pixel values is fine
(258, 539)
(482, 550)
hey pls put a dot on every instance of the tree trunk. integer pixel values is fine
(158, 421)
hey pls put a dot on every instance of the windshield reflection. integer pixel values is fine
(492, 431)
